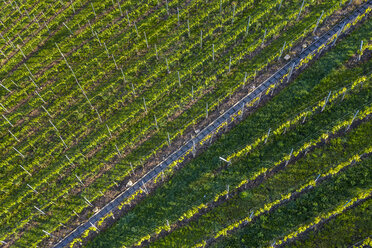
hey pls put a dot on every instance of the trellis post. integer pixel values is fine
(318, 21)
(290, 156)
(268, 134)
(352, 120)
(326, 101)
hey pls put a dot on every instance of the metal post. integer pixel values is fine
(135, 26)
(352, 120)
(290, 72)
(156, 52)
(32, 189)
(268, 134)
(326, 101)
(290, 155)
(166, 61)
(302, 5)
(230, 65)
(41, 211)
(281, 51)
(213, 51)
(178, 16)
(263, 39)
(108, 129)
(361, 50)
(118, 150)
(193, 149)
(206, 110)
(169, 141)
(94, 12)
(317, 23)
(78, 178)
(179, 78)
(147, 44)
(144, 104)
(156, 123)
(121, 12)
(249, 21)
(188, 27)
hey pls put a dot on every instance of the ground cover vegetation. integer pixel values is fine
(94, 93)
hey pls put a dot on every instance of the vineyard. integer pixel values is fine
(203, 123)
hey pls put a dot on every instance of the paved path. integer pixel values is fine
(275, 78)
